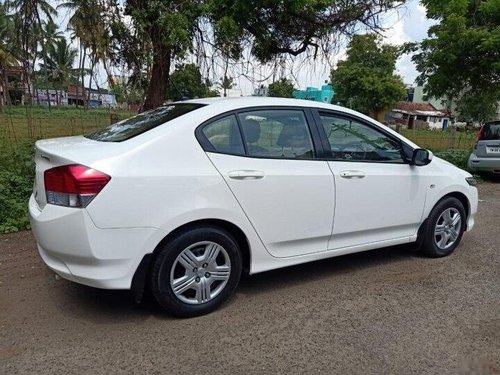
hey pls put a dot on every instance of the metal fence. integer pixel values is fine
(19, 127)
(438, 140)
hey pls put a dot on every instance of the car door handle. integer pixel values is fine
(246, 175)
(352, 174)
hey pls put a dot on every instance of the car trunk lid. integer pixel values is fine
(56, 152)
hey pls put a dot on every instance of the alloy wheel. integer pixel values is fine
(200, 272)
(447, 229)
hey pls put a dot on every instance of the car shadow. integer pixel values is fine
(490, 177)
(104, 306)
(325, 268)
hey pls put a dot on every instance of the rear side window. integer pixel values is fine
(277, 133)
(224, 135)
(491, 131)
(131, 127)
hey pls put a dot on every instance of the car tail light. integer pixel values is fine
(480, 133)
(73, 185)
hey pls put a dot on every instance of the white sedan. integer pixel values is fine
(186, 197)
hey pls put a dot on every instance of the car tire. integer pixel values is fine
(444, 229)
(196, 272)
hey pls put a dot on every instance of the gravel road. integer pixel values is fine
(387, 311)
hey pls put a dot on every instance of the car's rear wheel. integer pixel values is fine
(445, 227)
(196, 272)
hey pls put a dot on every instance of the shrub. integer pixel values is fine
(16, 184)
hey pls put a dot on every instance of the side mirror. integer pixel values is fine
(421, 157)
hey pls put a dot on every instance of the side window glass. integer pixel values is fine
(224, 135)
(353, 141)
(277, 134)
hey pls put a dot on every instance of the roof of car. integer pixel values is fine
(244, 101)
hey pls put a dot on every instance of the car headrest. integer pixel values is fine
(293, 134)
(252, 130)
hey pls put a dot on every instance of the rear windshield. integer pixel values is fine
(143, 122)
(492, 130)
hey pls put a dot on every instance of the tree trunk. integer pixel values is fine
(3, 97)
(158, 84)
(92, 64)
(85, 105)
(6, 94)
(44, 55)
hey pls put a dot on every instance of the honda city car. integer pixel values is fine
(184, 198)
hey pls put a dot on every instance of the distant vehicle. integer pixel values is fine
(486, 154)
(185, 197)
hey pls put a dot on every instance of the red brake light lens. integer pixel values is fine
(73, 185)
(480, 133)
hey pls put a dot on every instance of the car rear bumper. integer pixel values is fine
(72, 246)
(484, 164)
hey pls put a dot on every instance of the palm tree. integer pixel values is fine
(58, 67)
(226, 83)
(7, 54)
(50, 36)
(51, 33)
(90, 26)
(28, 23)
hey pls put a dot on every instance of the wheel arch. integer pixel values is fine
(225, 225)
(140, 275)
(454, 194)
(462, 198)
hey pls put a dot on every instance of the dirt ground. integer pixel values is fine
(386, 311)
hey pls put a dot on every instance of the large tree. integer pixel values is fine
(186, 82)
(8, 55)
(365, 80)
(168, 27)
(460, 59)
(91, 23)
(282, 88)
(58, 67)
(28, 16)
(266, 28)
(274, 27)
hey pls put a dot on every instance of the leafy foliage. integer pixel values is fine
(16, 184)
(283, 88)
(478, 106)
(167, 29)
(291, 26)
(461, 56)
(186, 82)
(366, 79)
(58, 67)
(226, 83)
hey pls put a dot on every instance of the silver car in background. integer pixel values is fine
(486, 154)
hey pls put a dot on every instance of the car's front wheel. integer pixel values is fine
(445, 227)
(196, 272)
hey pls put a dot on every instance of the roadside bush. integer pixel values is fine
(16, 183)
